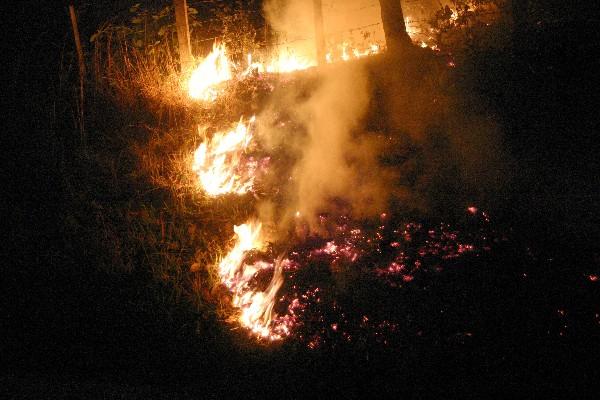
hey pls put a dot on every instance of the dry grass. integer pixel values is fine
(136, 79)
(171, 229)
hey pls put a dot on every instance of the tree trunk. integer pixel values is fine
(319, 31)
(81, 60)
(392, 17)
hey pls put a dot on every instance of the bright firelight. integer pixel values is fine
(256, 306)
(214, 69)
(220, 165)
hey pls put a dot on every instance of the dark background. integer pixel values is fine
(70, 330)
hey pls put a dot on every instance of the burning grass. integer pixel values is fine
(188, 245)
(208, 175)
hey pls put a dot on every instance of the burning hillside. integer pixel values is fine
(328, 230)
(304, 151)
(290, 272)
(284, 208)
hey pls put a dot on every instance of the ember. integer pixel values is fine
(309, 312)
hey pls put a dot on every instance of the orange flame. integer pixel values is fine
(256, 306)
(218, 162)
(279, 64)
(214, 69)
(347, 52)
(288, 62)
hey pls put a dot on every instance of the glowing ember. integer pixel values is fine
(256, 306)
(392, 255)
(220, 165)
(214, 69)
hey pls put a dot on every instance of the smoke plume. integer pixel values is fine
(446, 153)
(336, 165)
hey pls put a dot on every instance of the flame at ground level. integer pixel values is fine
(217, 68)
(214, 69)
(256, 306)
(219, 163)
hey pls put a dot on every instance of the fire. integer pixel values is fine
(217, 68)
(288, 62)
(256, 306)
(282, 63)
(220, 165)
(346, 52)
(214, 69)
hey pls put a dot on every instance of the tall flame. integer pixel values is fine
(219, 162)
(256, 306)
(214, 69)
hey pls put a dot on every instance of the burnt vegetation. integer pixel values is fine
(111, 290)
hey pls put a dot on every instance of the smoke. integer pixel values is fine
(331, 162)
(335, 167)
(445, 152)
(456, 157)
(294, 19)
(290, 16)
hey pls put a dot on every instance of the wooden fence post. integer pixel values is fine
(186, 59)
(319, 31)
(81, 60)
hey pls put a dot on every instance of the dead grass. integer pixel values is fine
(167, 227)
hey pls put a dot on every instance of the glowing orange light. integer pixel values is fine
(256, 306)
(219, 163)
(213, 70)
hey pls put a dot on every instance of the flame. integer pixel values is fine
(345, 55)
(214, 69)
(282, 63)
(219, 163)
(256, 306)
(288, 62)
(217, 68)
(346, 52)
